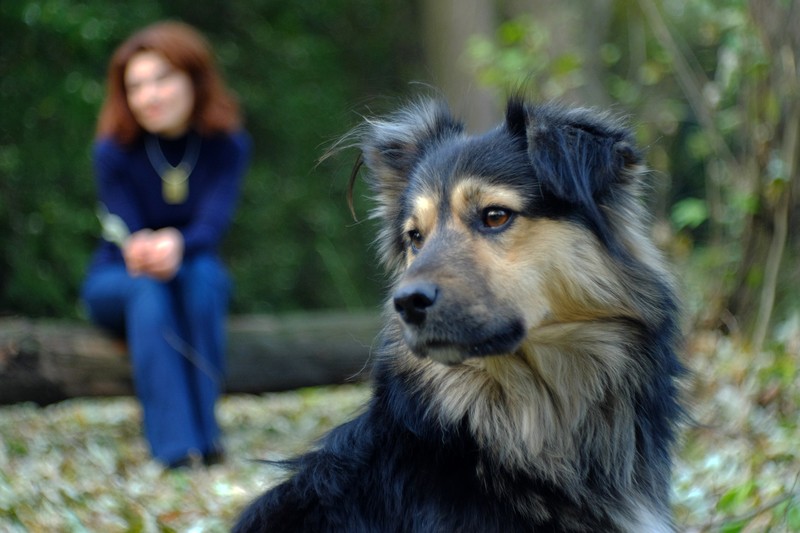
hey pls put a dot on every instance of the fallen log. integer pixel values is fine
(46, 361)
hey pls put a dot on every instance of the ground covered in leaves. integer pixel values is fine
(82, 465)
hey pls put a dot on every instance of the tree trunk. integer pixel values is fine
(46, 361)
(447, 27)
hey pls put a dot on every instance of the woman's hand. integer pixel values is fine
(166, 254)
(136, 252)
(158, 254)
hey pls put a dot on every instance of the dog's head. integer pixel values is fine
(494, 237)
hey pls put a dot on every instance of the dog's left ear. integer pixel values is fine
(578, 155)
(392, 147)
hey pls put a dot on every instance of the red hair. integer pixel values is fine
(215, 110)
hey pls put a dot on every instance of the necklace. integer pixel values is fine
(174, 180)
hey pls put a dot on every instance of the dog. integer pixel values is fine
(527, 377)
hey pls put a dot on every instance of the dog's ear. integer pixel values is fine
(578, 155)
(393, 146)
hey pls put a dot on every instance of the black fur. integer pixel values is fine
(402, 465)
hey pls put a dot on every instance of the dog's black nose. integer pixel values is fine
(412, 301)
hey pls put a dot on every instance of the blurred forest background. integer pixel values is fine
(711, 87)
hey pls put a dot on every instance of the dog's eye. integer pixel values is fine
(416, 239)
(495, 217)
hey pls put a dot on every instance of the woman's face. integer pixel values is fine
(160, 96)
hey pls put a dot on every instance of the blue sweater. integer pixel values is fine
(131, 188)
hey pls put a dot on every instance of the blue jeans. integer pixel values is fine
(175, 333)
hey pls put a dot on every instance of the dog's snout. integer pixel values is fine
(412, 301)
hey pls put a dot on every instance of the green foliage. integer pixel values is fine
(689, 213)
(519, 55)
(52, 59)
(301, 75)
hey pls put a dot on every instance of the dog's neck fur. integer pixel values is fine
(538, 409)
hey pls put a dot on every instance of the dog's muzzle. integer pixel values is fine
(449, 330)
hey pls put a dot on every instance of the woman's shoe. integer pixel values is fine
(192, 460)
(214, 457)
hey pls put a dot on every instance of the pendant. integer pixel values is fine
(175, 185)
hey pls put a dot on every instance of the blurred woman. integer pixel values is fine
(169, 157)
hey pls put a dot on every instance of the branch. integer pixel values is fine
(690, 81)
(780, 220)
(750, 515)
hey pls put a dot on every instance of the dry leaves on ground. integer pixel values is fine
(82, 466)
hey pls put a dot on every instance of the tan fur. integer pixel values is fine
(474, 193)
